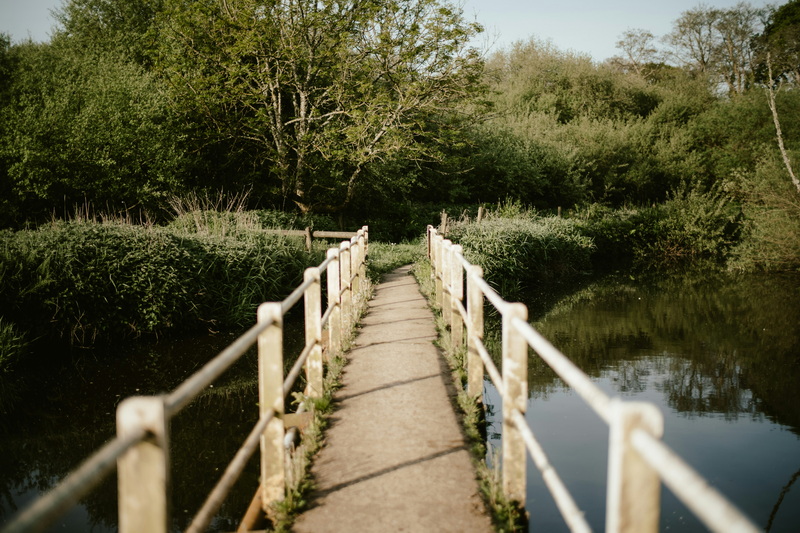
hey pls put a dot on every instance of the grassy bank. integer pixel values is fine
(519, 249)
(85, 283)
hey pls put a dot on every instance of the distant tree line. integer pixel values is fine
(367, 109)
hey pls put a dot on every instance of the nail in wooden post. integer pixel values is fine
(634, 489)
(334, 299)
(515, 381)
(270, 397)
(457, 284)
(143, 472)
(347, 295)
(475, 329)
(313, 316)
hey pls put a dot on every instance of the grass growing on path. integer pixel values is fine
(506, 515)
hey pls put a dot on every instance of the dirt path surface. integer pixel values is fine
(395, 458)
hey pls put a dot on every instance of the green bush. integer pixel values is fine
(87, 281)
(521, 251)
(691, 225)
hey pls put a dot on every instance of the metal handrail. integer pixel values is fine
(41, 513)
(635, 426)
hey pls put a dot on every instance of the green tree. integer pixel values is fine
(781, 40)
(111, 25)
(321, 90)
(80, 126)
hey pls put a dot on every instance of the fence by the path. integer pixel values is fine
(638, 460)
(140, 452)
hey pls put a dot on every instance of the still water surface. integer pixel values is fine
(72, 415)
(718, 354)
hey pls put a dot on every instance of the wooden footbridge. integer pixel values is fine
(394, 458)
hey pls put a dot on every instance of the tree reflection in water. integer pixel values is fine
(718, 353)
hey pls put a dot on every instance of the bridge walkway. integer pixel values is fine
(395, 457)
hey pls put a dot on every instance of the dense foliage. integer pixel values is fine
(366, 110)
(345, 113)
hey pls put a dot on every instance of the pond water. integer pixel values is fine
(72, 414)
(718, 354)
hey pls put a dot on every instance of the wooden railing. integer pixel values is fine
(638, 460)
(310, 235)
(141, 449)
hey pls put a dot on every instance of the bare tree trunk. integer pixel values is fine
(774, 109)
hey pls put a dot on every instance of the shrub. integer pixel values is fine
(84, 281)
(521, 251)
(691, 225)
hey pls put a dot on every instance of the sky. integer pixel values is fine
(586, 26)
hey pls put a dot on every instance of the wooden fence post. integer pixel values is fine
(515, 383)
(271, 397)
(457, 288)
(313, 330)
(362, 268)
(438, 245)
(334, 303)
(347, 295)
(447, 278)
(634, 488)
(143, 472)
(355, 252)
(474, 328)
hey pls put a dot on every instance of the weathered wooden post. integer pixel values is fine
(309, 237)
(355, 253)
(515, 383)
(457, 288)
(270, 398)
(313, 329)
(447, 277)
(438, 245)
(634, 488)
(334, 303)
(474, 329)
(362, 267)
(143, 472)
(347, 295)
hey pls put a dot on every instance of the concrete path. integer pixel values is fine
(395, 458)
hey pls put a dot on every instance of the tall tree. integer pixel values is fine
(736, 29)
(321, 89)
(781, 41)
(638, 49)
(693, 39)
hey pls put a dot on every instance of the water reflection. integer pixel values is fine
(71, 414)
(720, 354)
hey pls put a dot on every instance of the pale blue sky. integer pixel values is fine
(587, 26)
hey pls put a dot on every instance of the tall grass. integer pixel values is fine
(518, 249)
(84, 282)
